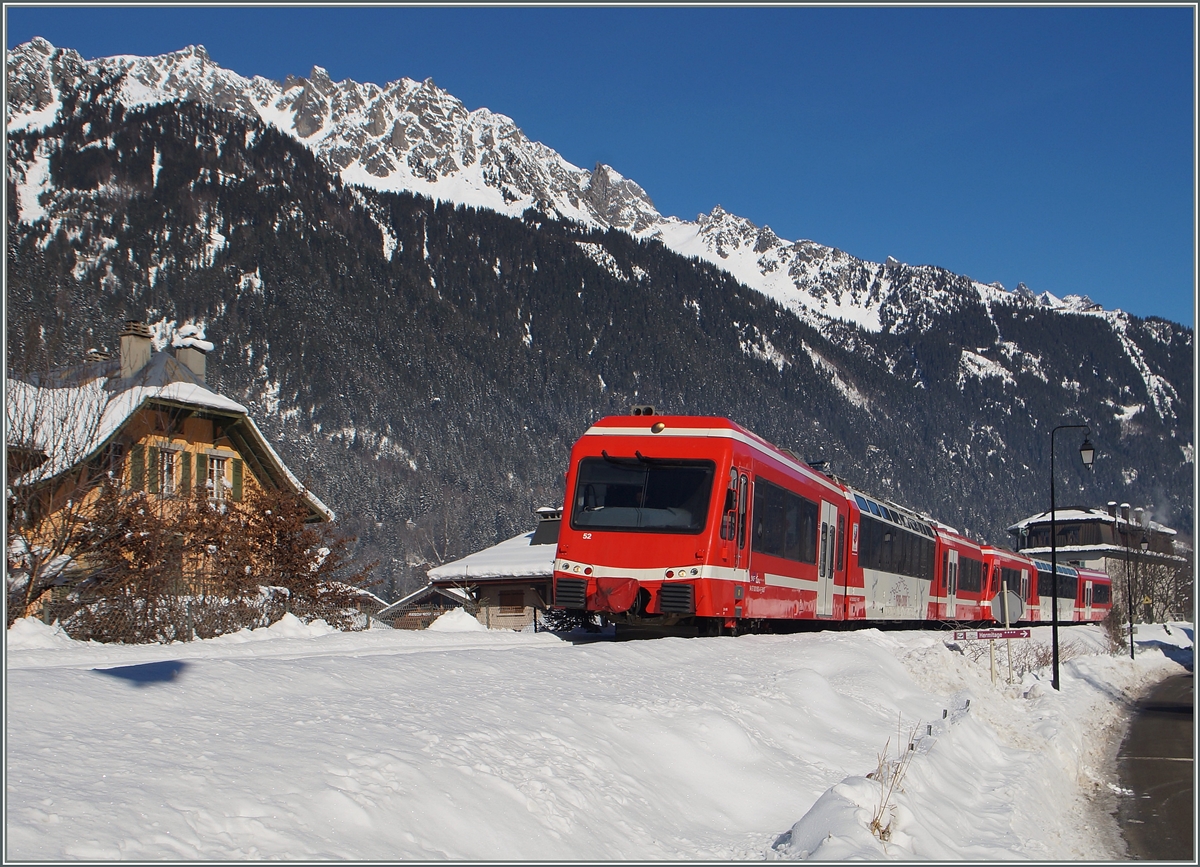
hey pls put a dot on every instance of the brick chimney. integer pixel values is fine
(135, 347)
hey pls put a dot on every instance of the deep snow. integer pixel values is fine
(300, 742)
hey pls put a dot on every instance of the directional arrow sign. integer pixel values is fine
(984, 634)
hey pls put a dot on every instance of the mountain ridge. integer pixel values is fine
(413, 136)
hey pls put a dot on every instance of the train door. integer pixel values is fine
(1087, 600)
(742, 559)
(827, 542)
(951, 583)
(735, 524)
(735, 540)
(1025, 587)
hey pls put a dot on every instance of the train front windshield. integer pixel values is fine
(642, 494)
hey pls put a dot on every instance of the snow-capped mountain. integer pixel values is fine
(386, 338)
(414, 136)
(407, 135)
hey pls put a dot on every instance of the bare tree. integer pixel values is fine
(53, 439)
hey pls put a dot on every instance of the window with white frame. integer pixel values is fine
(166, 472)
(216, 478)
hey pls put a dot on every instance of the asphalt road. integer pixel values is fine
(1155, 763)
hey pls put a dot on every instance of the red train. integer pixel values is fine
(685, 521)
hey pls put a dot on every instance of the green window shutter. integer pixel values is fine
(185, 472)
(201, 471)
(237, 479)
(152, 468)
(137, 467)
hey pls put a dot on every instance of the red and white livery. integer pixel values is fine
(685, 520)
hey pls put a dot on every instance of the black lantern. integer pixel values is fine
(1087, 452)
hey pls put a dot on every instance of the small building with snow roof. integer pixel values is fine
(509, 582)
(421, 607)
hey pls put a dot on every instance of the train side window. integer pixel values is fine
(787, 525)
(729, 508)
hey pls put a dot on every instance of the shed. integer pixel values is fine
(509, 582)
(421, 607)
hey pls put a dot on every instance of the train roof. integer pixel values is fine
(1063, 569)
(669, 426)
(889, 511)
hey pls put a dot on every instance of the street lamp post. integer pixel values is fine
(1087, 454)
(1145, 546)
(1128, 588)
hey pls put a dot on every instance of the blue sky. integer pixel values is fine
(1053, 146)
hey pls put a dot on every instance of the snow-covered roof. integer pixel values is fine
(453, 593)
(70, 413)
(512, 558)
(1077, 515)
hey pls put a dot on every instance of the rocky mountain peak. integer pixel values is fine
(417, 137)
(620, 202)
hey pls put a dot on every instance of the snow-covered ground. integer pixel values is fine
(298, 742)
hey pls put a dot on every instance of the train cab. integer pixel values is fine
(669, 518)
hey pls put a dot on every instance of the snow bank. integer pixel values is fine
(456, 620)
(29, 633)
(308, 744)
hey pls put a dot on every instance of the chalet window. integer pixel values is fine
(1068, 534)
(111, 461)
(512, 602)
(216, 478)
(166, 472)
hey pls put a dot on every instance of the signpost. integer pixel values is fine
(989, 634)
(1006, 607)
